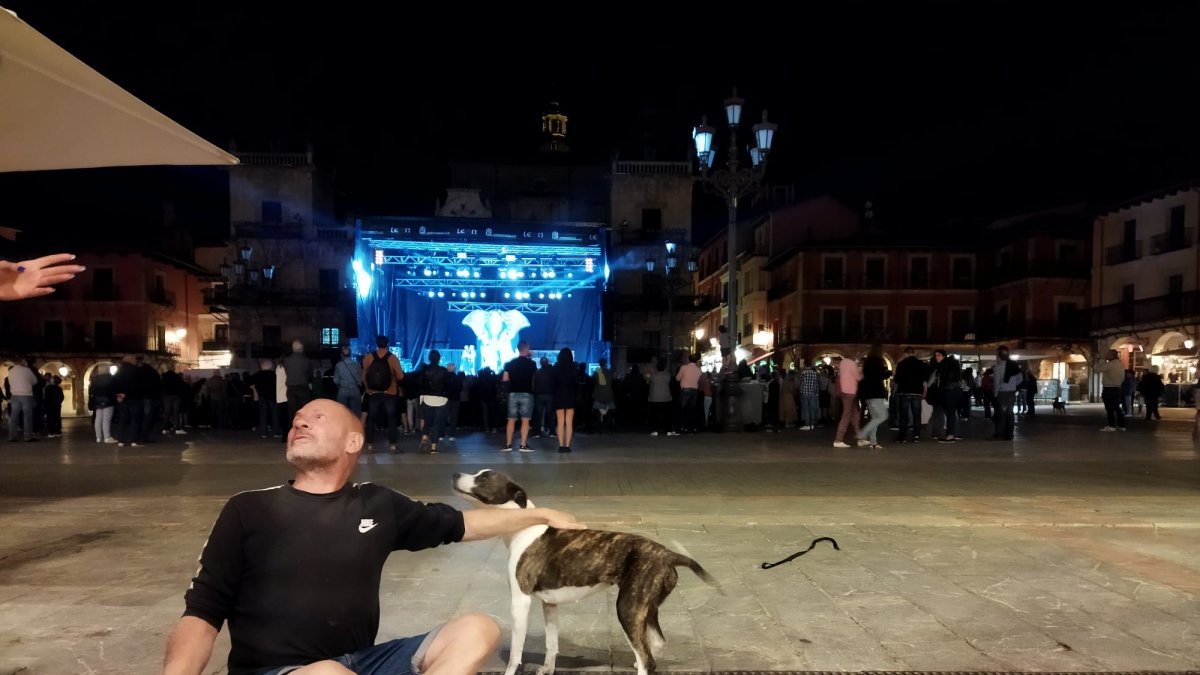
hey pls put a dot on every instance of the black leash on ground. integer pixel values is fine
(767, 566)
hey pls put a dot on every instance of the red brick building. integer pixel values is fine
(1022, 282)
(130, 302)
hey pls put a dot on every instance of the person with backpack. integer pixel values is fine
(434, 388)
(382, 374)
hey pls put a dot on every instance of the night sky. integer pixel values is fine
(929, 109)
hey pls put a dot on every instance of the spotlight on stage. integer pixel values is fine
(362, 278)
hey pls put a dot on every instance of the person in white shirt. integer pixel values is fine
(1112, 375)
(21, 381)
(689, 388)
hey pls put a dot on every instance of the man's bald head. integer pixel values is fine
(325, 434)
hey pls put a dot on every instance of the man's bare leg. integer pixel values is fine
(461, 646)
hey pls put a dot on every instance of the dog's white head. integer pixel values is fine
(491, 489)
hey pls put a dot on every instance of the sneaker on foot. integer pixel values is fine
(1108, 428)
(839, 444)
(394, 450)
(110, 439)
(862, 442)
(180, 432)
(672, 433)
(526, 448)
(450, 438)
(1120, 428)
(507, 448)
(653, 433)
(876, 446)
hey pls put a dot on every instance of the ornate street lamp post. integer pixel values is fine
(732, 182)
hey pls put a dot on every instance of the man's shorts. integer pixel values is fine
(402, 656)
(520, 406)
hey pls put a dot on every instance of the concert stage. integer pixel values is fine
(472, 288)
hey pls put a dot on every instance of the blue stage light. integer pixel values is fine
(510, 257)
(362, 278)
(506, 295)
(541, 296)
(431, 294)
(477, 275)
(606, 271)
(462, 255)
(441, 294)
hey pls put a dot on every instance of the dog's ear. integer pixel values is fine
(520, 498)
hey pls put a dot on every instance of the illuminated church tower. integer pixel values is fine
(554, 130)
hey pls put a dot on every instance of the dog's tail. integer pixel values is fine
(684, 559)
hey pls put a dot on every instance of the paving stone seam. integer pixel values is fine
(900, 591)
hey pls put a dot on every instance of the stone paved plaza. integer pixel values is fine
(1067, 550)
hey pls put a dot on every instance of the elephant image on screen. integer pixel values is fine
(497, 332)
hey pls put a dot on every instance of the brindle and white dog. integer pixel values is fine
(558, 566)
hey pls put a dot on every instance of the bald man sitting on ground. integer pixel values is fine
(295, 568)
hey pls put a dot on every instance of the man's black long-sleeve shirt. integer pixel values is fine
(296, 574)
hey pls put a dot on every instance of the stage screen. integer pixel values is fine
(472, 288)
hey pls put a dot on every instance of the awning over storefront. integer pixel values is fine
(1181, 351)
(58, 113)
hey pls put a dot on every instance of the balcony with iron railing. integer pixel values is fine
(1164, 310)
(1168, 242)
(636, 168)
(273, 159)
(115, 345)
(852, 332)
(1122, 253)
(215, 345)
(893, 282)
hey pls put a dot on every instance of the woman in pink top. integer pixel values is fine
(848, 377)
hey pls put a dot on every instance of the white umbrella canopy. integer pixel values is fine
(58, 113)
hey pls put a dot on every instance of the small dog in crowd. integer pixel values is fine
(1060, 406)
(557, 566)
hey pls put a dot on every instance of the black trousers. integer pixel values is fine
(1112, 406)
(1152, 408)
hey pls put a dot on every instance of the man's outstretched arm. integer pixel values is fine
(190, 647)
(488, 523)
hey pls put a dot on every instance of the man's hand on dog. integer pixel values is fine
(561, 521)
